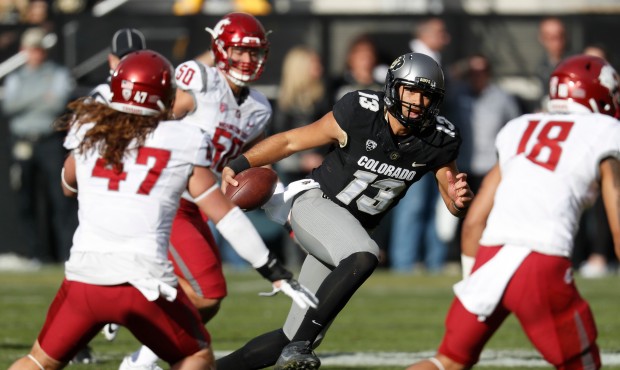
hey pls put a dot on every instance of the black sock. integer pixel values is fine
(335, 292)
(258, 353)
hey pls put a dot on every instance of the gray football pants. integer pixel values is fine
(329, 233)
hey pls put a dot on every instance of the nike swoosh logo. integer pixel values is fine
(414, 164)
(316, 323)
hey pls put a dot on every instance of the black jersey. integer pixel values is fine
(372, 172)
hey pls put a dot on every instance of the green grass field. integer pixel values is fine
(391, 313)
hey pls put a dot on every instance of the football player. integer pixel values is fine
(523, 221)
(124, 41)
(218, 100)
(384, 141)
(128, 167)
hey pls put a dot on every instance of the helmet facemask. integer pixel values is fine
(401, 109)
(240, 71)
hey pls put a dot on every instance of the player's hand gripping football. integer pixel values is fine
(459, 191)
(228, 177)
(282, 280)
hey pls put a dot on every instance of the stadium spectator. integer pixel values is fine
(362, 63)
(130, 167)
(552, 37)
(36, 13)
(479, 108)
(302, 99)
(414, 233)
(220, 101)
(521, 225)
(430, 37)
(597, 50)
(124, 41)
(375, 142)
(34, 96)
(593, 243)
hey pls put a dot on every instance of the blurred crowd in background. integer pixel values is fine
(45, 62)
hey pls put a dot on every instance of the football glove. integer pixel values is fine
(298, 293)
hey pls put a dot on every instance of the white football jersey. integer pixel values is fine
(230, 125)
(550, 172)
(102, 93)
(125, 218)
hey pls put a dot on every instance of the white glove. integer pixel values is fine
(298, 293)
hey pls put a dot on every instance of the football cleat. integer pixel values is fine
(84, 356)
(298, 356)
(110, 331)
(127, 364)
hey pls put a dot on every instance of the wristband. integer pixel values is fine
(467, 264)
(64, 182)
(239, 164)
(273, 270)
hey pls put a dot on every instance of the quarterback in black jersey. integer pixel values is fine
(383, 143)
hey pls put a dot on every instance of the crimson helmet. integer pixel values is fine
(239, 30)
(584, 83)
(420, 72)
(143, 84)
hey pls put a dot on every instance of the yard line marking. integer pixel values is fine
(495, 358)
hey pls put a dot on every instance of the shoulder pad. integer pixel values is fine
(191, 75)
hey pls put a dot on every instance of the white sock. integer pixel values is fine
(144, 357)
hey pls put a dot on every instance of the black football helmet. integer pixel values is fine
(420, 72)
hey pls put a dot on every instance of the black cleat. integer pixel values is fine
(298, 356)
(84, 356)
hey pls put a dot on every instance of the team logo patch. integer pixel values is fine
(370, 145)
(607, 78)
(126, 84)
(127, 89)
(399, 62)
(219, 27)
(126, 94)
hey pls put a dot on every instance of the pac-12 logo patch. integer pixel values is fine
(370, 145)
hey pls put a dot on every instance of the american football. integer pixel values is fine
(256, 186)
